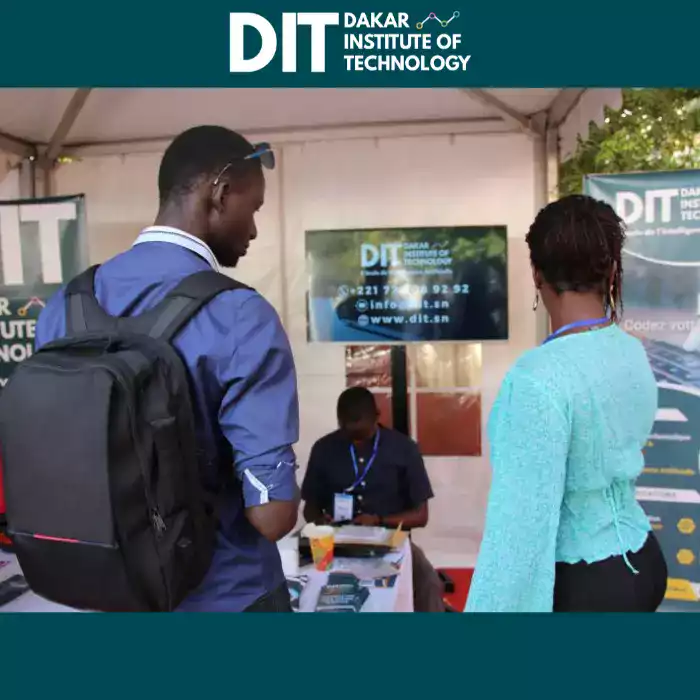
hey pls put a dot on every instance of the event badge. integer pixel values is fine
(343, 507)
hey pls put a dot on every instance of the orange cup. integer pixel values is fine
(322, 539)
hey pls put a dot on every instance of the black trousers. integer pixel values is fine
(610, 586)
(275, 601)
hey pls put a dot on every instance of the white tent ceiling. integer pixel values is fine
(33, 121)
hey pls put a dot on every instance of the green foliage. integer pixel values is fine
(656, 129)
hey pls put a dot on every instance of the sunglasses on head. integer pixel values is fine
(262, 151)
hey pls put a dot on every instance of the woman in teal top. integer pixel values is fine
(564, 531)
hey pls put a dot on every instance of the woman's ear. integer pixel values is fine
(537, 279)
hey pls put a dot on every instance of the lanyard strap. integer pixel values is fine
(370, 462)
(589, 322)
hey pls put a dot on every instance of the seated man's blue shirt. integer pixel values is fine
(395, 481)
(245, 394)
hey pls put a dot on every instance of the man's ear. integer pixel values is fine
(219, 192)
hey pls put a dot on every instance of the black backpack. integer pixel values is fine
(106, 506)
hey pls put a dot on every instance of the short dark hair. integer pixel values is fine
(202, 151)
(355, 404)
(576, 244)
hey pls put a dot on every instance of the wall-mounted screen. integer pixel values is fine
(408, 284)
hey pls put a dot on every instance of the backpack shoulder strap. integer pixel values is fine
(83, 311)
(186, 299)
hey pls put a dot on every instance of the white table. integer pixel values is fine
(399, 598)
(396, 599)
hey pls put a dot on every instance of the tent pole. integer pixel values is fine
(70, 114)
(305, 134)
(27, 178)
(552, 155)
(562, 106)
(16, 147)
(283, 262)
(53, 150)
(546, 190)
(509, 115)
(47, 172)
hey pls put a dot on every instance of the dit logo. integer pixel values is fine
(384, 255)
(317, 21)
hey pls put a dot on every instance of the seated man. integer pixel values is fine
(372, 475)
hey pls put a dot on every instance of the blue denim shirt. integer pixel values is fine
(245, 397)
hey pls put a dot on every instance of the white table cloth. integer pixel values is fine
(399, 598)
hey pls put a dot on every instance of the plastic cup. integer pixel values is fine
(289, 554)
(322, 539)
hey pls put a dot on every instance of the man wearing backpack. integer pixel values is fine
(243, 401)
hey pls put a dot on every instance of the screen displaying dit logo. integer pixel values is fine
(384, 255)
(317, 21)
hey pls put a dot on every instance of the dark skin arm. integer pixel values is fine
(409, 519)
(275, 519)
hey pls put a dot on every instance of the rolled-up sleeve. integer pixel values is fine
(259, 414)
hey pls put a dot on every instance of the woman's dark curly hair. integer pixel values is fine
(576, 244)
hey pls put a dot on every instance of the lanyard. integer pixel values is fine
(370, 462)
(589, 322)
